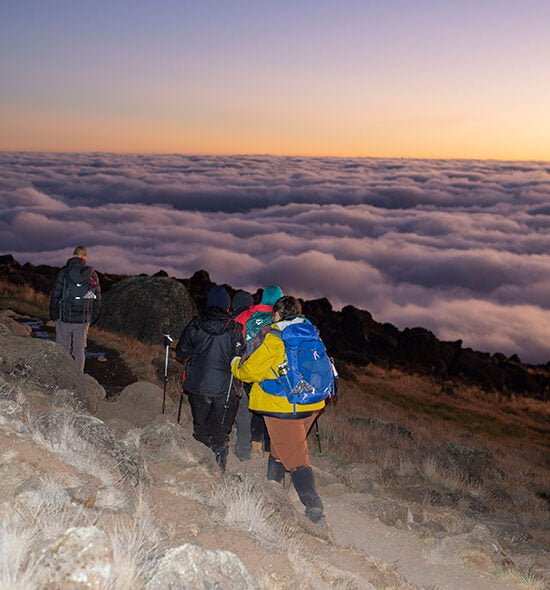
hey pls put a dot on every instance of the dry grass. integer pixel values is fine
(136, 546)
(17, 570)
(245, 508)
(41, 515)
(417, 400)
(23, 299)
(527, 579)
(509, 427)
(66, 442)
(136, 354)
(450, 479)
(36, 517)
(469, 420)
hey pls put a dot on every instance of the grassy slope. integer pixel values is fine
(411, 399)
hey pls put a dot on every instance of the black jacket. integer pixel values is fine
(208, 343)
(78, 312)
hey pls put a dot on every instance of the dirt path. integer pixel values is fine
(414, 558)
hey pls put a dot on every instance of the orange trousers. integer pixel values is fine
(289, 440)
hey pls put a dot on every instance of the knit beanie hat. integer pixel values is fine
(218, 297)
(241, 300)
(271, 294)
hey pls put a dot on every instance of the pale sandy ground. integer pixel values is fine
(179, 498)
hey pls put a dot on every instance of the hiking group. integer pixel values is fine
(259, 366)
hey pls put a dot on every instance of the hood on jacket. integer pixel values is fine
(78, 271)
(218, 297)
(271, 294)
(214, 321)
(296, 320)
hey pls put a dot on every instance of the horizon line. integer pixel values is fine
(268, 155)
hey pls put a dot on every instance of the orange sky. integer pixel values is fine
(347, 79)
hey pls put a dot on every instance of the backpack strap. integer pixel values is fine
(275, 332)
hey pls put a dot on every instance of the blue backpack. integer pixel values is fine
(307, 376)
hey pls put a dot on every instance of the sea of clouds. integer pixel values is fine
(459, 247)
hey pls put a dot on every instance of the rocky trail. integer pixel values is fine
(196, 507)
(103, 363)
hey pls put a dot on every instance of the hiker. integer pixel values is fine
(242, 300)
(287, 423)
(75, 303)
(207, 344)
(251, 429)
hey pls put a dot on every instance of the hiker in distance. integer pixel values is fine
(75, 303)
(207, 345)
(268, 366)
(251, 429)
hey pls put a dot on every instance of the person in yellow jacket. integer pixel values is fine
(288, 424)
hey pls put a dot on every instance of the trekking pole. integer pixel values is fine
(181, 395)
(167, 341)
(226, 405)
(318, 436)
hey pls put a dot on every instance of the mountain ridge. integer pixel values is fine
(353, 336)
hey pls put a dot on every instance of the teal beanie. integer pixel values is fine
(271, 294)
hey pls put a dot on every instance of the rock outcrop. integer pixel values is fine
(146, 308)
(47, 365)
(138, 405)
(189, 567)
(80, 558)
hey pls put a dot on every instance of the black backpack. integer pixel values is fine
(76, 299)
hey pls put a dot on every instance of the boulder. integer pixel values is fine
(382, 427)
(475, 465)
(47, 365)
(139, 404)
(14, 328)
(55, 425)
(360, 476)
(166, 442)
(81, 557)
(146, 308)
(190, 567)
(478, 543)
(13, 416)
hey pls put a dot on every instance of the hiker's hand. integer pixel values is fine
(235, 358)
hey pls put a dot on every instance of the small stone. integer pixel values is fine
(189, 567)
(81, 557)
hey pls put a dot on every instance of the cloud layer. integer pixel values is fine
(460, 247)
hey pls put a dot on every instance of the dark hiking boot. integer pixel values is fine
(207, 441)
(275, 470)
(221, 457)
(243, 454)
(304, 483)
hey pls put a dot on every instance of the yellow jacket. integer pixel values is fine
(263, 364)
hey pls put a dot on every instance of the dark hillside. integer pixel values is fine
(353, 336)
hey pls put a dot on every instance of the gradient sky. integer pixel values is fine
(424, 78)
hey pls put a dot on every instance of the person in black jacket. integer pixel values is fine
(207, 344)
(75, 303)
